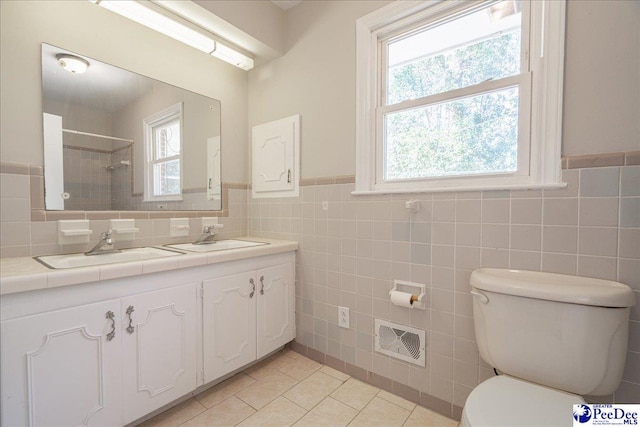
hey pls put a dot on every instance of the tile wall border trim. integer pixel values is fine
(15, 168)
(626, 158)
(426, 400)
(39, 214)
(329, 180)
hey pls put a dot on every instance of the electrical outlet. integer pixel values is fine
(343, 317)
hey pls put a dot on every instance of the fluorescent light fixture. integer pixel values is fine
(147, 14)
(71, 63)
(232, 57)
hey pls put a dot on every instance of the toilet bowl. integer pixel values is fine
(506, 401)
(554, 337)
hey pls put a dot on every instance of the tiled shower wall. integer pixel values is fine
(350, 254)
(121, 178)
(87, 179)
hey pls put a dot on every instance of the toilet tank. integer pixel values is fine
(564, 332)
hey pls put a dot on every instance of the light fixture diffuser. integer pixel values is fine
(151, 16)
(233, 57)
(157, 21)
(71, 63)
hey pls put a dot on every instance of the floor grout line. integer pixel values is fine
(274, 359)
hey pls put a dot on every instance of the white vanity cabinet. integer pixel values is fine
(246, 316)
(63, 368)
(229, 323)
(110, 352)
(108, 363)
(276, 308)
(158, 348)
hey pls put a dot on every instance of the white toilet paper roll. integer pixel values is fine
(403, 299)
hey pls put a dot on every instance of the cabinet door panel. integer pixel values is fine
(276, 311)
(276, 158)
(273, 158)
(229, 314)
(59, 368)
(159, 357)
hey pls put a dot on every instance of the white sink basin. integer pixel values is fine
(219, 245)
(82, 260)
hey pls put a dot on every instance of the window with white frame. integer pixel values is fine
(459, 95)
(163, 154)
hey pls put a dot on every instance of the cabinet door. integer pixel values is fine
(276, 158)
(62, 368)
(229, 324)
(158, 348)
(276, 308)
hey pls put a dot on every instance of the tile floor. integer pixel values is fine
(288, 389)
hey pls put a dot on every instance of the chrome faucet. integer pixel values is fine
(206, 238)
(104, 246)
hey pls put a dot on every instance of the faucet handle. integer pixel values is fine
(212, 229)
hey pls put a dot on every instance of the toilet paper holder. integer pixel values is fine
(408, 294)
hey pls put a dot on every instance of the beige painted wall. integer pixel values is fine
(602, 77)
(316, 78)
(260, 19)
(81, 117)
(85, 28)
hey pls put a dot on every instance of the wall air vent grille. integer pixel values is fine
(399, 341)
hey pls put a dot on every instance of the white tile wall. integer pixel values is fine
(351, 253)
(15, 214)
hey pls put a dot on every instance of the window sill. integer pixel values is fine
(552, 186)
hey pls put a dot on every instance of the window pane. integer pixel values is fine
(166, 177)
(466, 51)
(167, 139)
(468, 136)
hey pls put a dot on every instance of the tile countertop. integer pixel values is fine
(26, 274)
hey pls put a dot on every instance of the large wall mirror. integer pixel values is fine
(117, 140)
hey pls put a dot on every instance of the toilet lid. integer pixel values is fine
(506, 401)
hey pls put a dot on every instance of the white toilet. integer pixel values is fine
(554, 337)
